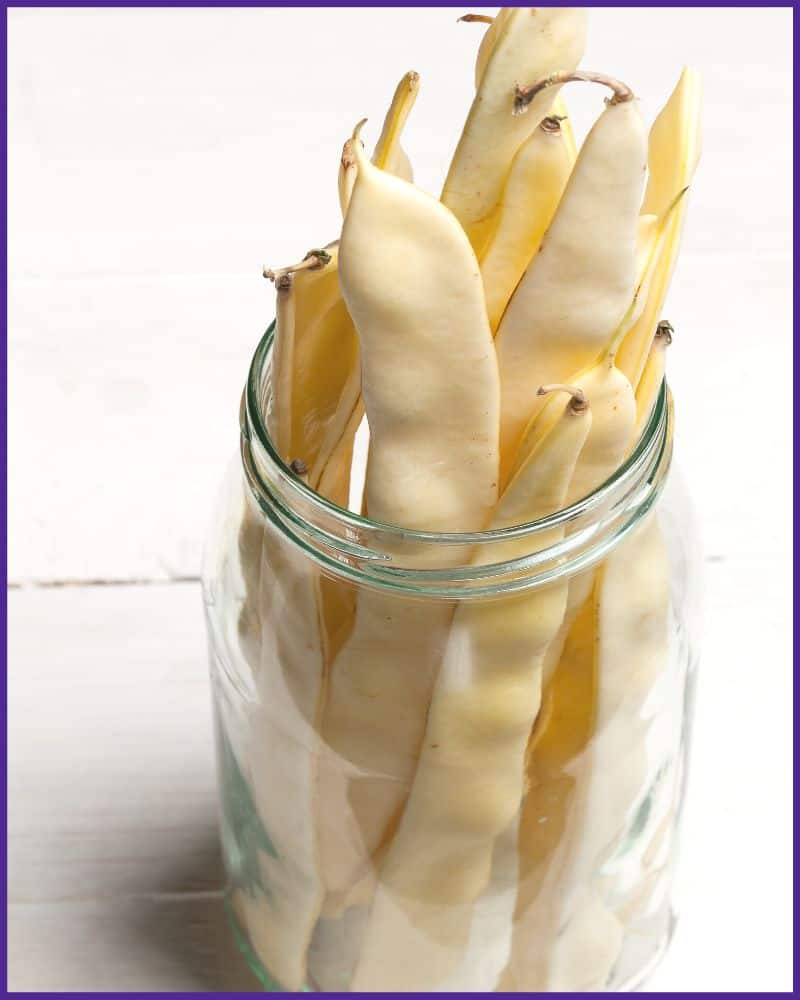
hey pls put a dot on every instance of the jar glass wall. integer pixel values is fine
(450, 762)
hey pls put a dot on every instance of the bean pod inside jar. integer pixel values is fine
(453, 678)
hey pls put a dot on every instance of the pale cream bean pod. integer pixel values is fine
(431, 391)
(469, 781)
(613, 427)
(577, 288)
(313, 411)
(489, 39)
(388, 155)
(281, 737)
(429, 372)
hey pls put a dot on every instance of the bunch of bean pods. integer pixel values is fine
(504, 344)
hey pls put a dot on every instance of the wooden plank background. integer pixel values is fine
(157, 159)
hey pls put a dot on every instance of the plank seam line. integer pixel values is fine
(128, 581)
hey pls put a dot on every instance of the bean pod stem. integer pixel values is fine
(523, 96)
(579, 401)
(313, 261)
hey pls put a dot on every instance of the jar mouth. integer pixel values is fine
(345, 541)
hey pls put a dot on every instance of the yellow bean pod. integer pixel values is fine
(632, 599)
(585, 774)
(562, 731)
(348, 168)
(279, 407)
(526, 44)
(652, 377)
(323, 352)
(536, 181)
(674, 152)
(389, 153)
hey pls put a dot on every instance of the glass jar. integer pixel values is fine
(414, 795)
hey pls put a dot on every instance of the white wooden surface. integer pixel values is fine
(157, 159)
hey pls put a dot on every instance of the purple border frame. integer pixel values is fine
(4, 347)
(279, 3)
(4, 597)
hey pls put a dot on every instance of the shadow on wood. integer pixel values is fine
(187, 926)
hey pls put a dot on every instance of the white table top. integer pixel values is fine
(157, 159)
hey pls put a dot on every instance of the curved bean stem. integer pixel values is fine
(523, 96)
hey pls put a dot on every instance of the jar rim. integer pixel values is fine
(626, 476)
